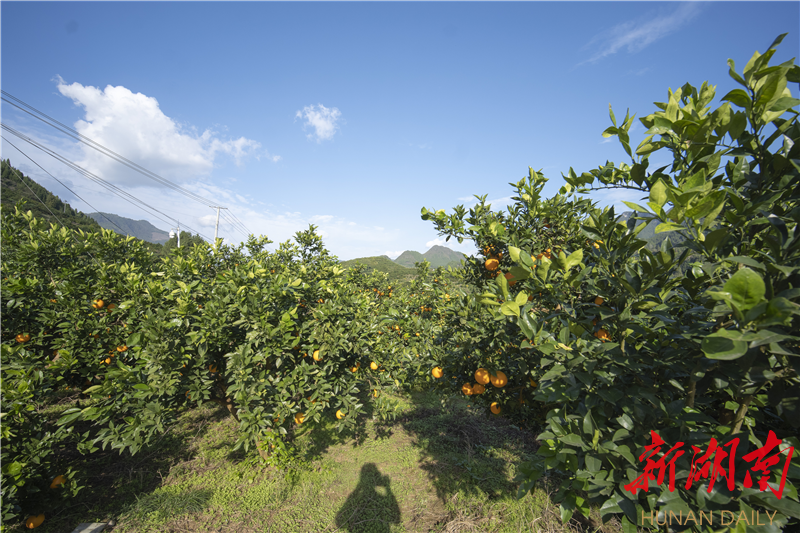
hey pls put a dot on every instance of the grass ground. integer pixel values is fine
(434, 468)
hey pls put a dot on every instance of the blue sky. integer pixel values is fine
(352, 116)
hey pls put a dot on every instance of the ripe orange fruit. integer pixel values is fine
(57, 481)
(482, 376)
(495, 407)
(499, 380)
(437, 372)
(108, 361)
(317, 356)
(510, 279)
(602, 335)
(212, 368)
(52, 301)
(478, 389)
(111, 306)
(466, 388)
(23, 337)
(34, 521)
(340, 414)
(375, 393)
(491, 264)
(298, 418)
(599, 301)
(373, 365)
(533, 383)
(98, 304)
(122, 348)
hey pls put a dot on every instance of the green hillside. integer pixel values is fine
(443, 256)
(16, 187)
(408, 258)
(437, 256)
(141, 229)
(397, 274)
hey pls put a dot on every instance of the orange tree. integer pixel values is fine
(274, 337)
(57, 336)
(620, 343)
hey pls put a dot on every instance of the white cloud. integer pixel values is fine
(637, 35)
(322, 119)
(134, 126)
(393, 255)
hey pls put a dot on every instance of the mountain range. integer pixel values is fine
(48, 206)
(141, 229)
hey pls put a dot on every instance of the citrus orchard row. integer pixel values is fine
(616, 340)
(564, 320)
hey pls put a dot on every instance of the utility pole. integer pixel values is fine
(216, 227)
(172, 233)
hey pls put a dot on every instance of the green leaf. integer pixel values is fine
(566, 514)
(724, 345)
(561, 260)
(571, 439)
(69, 416)
(668, 226)
(706, 205)
(636, 207)
(628, 526)
(514, 251)
(527, 325)
(658, 192)
(510, 309)
(732, 73)
(543, 268)
(574, 259)
(746, 288)
(134, 339)
(12, 469)
(739, 98)
(625, 421)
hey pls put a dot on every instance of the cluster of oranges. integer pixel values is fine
(37, 520)
(601, 334)
(388, 294)
(482, 377)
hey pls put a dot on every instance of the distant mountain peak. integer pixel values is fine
(437, 256)
(141, 229)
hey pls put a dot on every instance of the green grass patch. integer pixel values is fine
(436, 466)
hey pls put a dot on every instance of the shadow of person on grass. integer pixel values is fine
(371, 506)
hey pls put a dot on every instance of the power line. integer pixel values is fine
(242, 224)
(72, 234)
(109, 186)
(19, 104)
(52, 122)
(233, 223)
(59, 181)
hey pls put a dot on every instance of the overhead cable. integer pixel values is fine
(50, 121)
(109, 186)
(62, 184)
